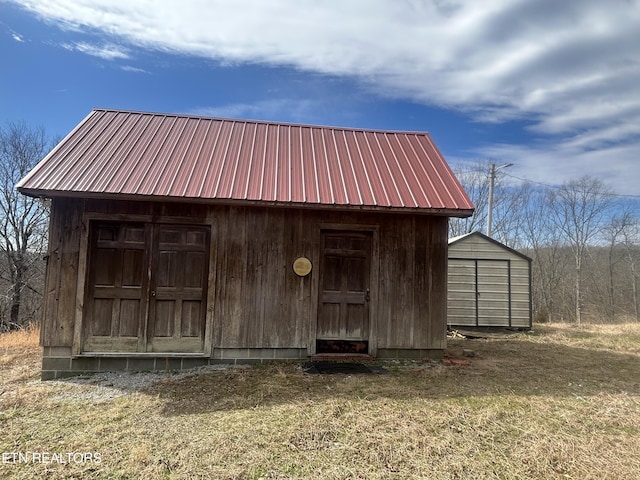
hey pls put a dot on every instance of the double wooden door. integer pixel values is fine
(344, 293)
(147, 288)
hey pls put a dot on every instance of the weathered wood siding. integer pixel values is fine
(488, 284)
(411, 305)
(59, 302)
(255, 300)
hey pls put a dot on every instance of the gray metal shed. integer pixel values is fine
(489, 284)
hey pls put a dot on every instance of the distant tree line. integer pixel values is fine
(583, 238)
(23, 227)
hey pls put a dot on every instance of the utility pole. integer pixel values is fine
(492, 179)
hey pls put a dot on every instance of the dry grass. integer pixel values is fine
(19, 355)
(561, 403)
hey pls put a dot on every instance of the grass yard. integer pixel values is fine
(561, 403)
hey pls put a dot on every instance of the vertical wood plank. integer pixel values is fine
(273, 320)
(232, 272)
(71, 227)
(214, 245)
(437, 282)
(422, 292)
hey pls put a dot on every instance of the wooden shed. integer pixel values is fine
(178, 241)
(489, 284)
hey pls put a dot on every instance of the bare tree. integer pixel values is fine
(631, 243)
(475, 178)
(613, 232)
(22, 219)
(578, 209)
(509, 222)
(475, 181)
(546, 246)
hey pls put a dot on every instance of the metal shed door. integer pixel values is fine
(462, 292)
(479, 292)
(343, 307)
(493, 293)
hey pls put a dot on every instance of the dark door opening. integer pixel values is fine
(342, 346)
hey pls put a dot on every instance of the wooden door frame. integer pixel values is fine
(83, 287)
(374, 269)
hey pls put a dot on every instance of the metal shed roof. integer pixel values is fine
(463, 238)
(152, 155)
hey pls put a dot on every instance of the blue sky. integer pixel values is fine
(552, 87)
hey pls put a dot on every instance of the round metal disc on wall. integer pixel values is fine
(302, 266)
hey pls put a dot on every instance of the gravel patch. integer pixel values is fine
(106, 386)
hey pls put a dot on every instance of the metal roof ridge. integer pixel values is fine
(264, 122)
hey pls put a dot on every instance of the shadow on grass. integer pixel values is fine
(521, 367)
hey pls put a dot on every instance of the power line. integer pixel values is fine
(611, 194)
(548, 185)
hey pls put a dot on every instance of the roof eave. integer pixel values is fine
(38, 193)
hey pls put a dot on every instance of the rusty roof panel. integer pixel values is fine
(115, 152)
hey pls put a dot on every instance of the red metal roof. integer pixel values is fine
(138, 154)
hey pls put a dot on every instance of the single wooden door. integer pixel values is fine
(116, 302)
(344, 292)
(177, 301)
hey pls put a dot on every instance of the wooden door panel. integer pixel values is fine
(164, 319)
(115, 317)
(329, 320)
(130, 312)
(133, 268)
(166, 269)
(116, 290)
(343, 310)
(102, 317)
(105, 263)
(195, 265)
(331, 273)
(197, 238)
(356, 323)
(191, 315)
(356, 271)
(179, 285)
(357, 244)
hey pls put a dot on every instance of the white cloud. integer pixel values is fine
(106, 52)
(553, 164)
(129, 68)
(283, 108)
(571, 68)
(508, 56)
(17, 37)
